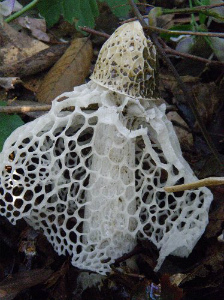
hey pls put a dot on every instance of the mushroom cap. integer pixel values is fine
(127, 63)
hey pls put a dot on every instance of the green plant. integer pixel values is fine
(83, 11)
(8, 123)
(197, 29)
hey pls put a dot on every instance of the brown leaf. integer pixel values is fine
(10, 287)
(71, 70)
(36, 63)
(16, 45)
(36, 26)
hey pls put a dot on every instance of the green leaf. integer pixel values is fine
(201, 2)
(85, 11)
(87, 15)
(202, 18)
(120, 8)
(8, 123)
(94, 8)
(50, 10)
(205, 2)
(71, 10)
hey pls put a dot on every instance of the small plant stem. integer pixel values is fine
(188, 10)
(211, 181)
(22, 11)
(180, 32)
(171, 51)
(92, 31)
(24, 109)
(206, 10)
(187, 95)
(193, 21)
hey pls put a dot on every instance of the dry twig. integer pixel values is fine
(211, 181)
(24, 109)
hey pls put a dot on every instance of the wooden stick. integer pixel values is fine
(210, 181)
(24, 109)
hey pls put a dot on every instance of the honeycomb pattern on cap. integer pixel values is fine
(127, 63)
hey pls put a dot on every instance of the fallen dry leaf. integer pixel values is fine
(36, 26)
(71, 70)
(34, 64)
(17, 45)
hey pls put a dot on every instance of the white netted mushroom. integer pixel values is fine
(93, 180)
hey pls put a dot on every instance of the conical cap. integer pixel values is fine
(127, 63)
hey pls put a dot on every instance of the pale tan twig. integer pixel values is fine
(210, 181)
(24, 109)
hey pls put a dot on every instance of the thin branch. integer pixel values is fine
(134, 275)
(24, 109)
(197, 9)
(176, 32)
(159, 30)
(181, 32)
(182, 10)
(210, 6)
(211, 181)
(92, 31)
(187, 95)
(204, 9)
(171, 51)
